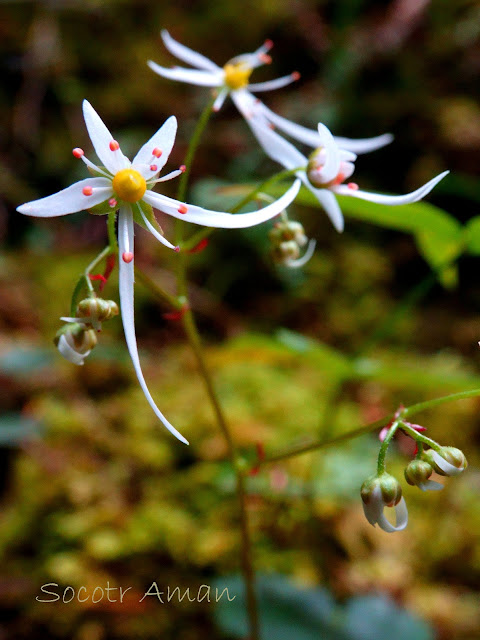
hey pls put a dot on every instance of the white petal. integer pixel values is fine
(401, 515)
(69, 200)
(163, 140)
(275, 146)
(191, 76)
(270, 85)
(156, 233)
(69, 352)
(446, 467)
(245, 103)
(208, 218)
(186, 54)
(344, 190)
(331, 167)
(374, 508)
(220, 99)
(300, 133)
(329, 203)
(126, 279)
(300, 262)
(364, 145)
(430, 485)
(101, 139)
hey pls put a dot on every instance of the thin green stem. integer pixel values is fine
(419, 437)
(142, 277)
(112, 236)
(382, 454)
(359, 431)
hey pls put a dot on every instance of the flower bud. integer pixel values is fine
(417, 472)
(285, 251)
(75, 341)
(97, 309)
(383, 491)
(449, 461)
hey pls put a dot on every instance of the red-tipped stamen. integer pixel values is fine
(127, 256)
(77, 152)
(182, 209)
(353, 186)
(268, 44)
(265, 58)
(177, 249)
(339, 179)
(153, 167)
(87, 191)
(114, 146)
(176, 315)
(157, 152)
(182, 168)
(296, 75)
(112, 203)
(203, 244)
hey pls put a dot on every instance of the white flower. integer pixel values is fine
(449, 462)
(325, 171)
(75, 342)
(383, 491)
(124, 185)
(233, 78)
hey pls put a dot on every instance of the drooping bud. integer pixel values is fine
(382, 491)
(418, 472)
(284, 252)
(286, 237)
(449, 461)
(97, 310)
(75, 341)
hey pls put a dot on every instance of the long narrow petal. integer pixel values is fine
(364, 145)
(208, 218)
(162, 140)
(156, 233)
(69, 352)
(270, 85)
(187, 55)
(69, 200)
(275, 146)
(344, 190)
(445, 466)
(300, 262)
(101, 139)
(330, 169)
(430, 485)
(126, 279)
(401, 515)
(191, 76)
(328, 202)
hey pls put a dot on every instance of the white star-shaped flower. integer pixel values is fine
(126, 186)
(324, 173)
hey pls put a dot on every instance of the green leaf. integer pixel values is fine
(472, 236)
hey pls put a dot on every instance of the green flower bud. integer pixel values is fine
(417, 472)
(97, 309)
(75, 341)
(383, 491)
(449, 461)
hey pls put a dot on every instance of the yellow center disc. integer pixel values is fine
(129, 185)
(236, 75)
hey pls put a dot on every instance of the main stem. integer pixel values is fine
(194, 340)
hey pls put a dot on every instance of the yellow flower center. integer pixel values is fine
(129, 185)
(236, 75)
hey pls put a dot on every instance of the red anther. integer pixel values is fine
(177, 249)
(296, 75)
(339, 179)
(153, 167)
(203, 244)
(87, 191)
(271, 126)
(353, 186)
(268, 44)
(112, 203)
(176, 315)
(157, 152)
(265, 58)
(182, 209)
(77, 152)
(182, 168)
(127, 256)
(114, 146)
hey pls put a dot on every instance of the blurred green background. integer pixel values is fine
(93, 490)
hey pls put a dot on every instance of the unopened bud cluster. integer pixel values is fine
(76, 339)
(287, 237)
(378, 492)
